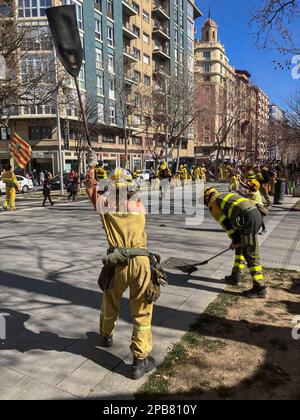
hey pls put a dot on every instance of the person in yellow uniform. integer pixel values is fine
(123, 218)
(12, 185)
(241, 220)
(164, 175)
(203, 173)
(197, 174)
(253, 194)
(185, 174)
(234, 182)
(101, 172)
(101, 175)
(263, 177)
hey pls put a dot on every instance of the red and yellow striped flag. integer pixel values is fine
(20, 150)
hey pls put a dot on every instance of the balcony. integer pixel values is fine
(161, 70)
(160, 11)
(129, 32)
(161, 52)
(128, 8)
(161, 31)
(129, 79)
(129, 54)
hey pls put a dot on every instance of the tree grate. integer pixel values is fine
(179, 264)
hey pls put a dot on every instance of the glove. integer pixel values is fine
(158, 279)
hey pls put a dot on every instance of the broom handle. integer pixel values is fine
(216, 256)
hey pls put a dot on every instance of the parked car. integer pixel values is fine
(55, 182)
(145, 175)
(25, 184)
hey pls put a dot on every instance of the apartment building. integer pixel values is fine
(126, 44)
(236, 122)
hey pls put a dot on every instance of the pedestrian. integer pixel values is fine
(73, 187)
(241, 220)
(47, 189)
(41, 178)
(127, 265)
(11, 186)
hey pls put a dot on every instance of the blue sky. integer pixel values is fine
(233, 18)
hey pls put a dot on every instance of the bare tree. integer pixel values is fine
(129, 96)
(175, 112)
(227, 116)
(28, 79)
(276, 17)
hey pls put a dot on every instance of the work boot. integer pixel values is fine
(141, 367)
(257, 292)
(106, 341)
(234, 279)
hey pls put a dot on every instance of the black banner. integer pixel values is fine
(65, 33)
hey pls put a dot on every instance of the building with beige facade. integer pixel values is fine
(234, 124)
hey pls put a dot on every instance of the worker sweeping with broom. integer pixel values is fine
(241, 220)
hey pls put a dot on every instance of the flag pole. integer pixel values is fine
(58, 128)
(83, 113)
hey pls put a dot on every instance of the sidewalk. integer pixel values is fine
(53, 300)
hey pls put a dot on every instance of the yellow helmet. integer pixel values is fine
(122, 177)
(164, 166)
(209, 192)
(254, 184)
(251, 175)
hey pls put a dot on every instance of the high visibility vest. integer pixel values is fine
(10, 180)
(226, 209)
(233, 205)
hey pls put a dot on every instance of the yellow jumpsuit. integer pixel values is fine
(9, 178)
(234, 184)
(128, 231)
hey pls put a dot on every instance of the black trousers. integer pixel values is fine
(47, 197)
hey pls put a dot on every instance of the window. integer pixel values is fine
(98, 5)
(99, 58)
(98, 29)
(79, 11)
(110, 36)
(147, 80)
(33, 8)
(99, 85)
(146, 16)
(111, 63)
(112, 114)
(146, 59)
(110, 8)
(207, 55)
(136, 7)
(146, 38)
(207, 67)
(137, 76)
(40, 133)
(112, 94)
(101, 113)
(136, 141)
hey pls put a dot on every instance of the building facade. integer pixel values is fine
(234, 125)
(126, 44)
